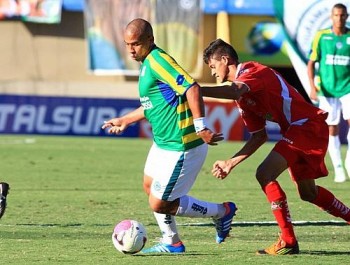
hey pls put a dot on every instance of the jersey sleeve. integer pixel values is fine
(314, 51)
(251, 80)
(253, 122)
(167, 70)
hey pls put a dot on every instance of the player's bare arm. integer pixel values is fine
(119, 124)
(311, 76)
(195, 101)
(222, 168)
(233, 91)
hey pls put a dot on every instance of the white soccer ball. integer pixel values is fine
(129, 236)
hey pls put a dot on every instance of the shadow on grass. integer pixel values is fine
(172, 254)
(325, 253)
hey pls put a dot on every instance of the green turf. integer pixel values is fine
(67, 193)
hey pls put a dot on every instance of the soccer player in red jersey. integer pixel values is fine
(263, 95)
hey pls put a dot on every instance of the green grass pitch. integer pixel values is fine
(67, 194)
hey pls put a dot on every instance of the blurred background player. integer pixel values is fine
(4, 189)
(331, 50)
(172, 102)
(263, 95)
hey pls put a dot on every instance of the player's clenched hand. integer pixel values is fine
(221, 169)
(209, 137)
(116, 125)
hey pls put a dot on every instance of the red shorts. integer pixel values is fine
(304, 147)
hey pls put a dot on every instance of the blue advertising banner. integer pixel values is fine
(62, 115)
(239, 7)
(214, 6)
(73, 5)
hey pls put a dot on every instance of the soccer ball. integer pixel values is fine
(129, 236)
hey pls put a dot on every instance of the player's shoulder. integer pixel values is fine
(161, 56)
(252, 66)
(325, 31)
(157, 51)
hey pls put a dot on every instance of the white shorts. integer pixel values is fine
(174, 172)
(334, 107)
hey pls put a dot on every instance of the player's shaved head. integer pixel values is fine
(138, 38)
(139, 27)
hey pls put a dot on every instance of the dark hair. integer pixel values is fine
(219, 48)
(340, 6)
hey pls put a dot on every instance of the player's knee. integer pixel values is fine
(147, 188)
(158, 207)
(156, 204)
(307, 196)
(147, 181)
(163, 207)
(261, 176)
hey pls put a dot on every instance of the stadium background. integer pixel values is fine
(49, 83)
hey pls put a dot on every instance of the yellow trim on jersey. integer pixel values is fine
(167, 78)
(185, 123)
(313, 55)
(182, 107)
(190, 137)
(181, 71)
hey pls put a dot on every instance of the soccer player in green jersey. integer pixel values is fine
(331, 50)
(172, 102)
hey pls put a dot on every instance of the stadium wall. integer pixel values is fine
(48, 62)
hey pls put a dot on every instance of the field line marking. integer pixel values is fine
(270, 223)
(241, 223)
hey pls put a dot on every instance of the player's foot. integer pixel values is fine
(223, 224)
(280, 248)
(166, 248)
(4, 188)
(339, 175)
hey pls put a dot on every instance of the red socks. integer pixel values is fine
(329, 203)
(279, 207)
(278, 200)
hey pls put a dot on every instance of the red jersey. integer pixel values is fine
(271, 98)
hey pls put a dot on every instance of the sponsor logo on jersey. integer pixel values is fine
(146, 103)
(337, 60)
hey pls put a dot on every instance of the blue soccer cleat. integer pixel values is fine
(223, 224)
(166, 248)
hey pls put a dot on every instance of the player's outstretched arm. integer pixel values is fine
(233, 91)
(222, 168)
(119, 124)
(311, 75)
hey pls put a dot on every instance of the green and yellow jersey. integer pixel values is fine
(162, 88)
(332, 52)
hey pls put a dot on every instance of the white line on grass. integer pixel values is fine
(18, 141)
(242, 223)
(270, 223)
